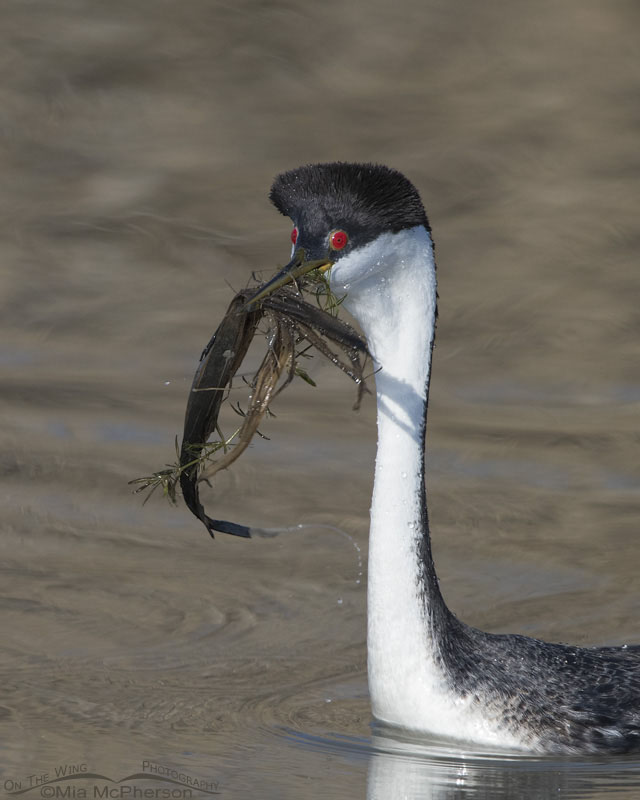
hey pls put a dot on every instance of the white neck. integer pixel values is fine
(390, 289)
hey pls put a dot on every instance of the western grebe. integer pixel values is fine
(428, 671)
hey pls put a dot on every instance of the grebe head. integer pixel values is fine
(345, 216)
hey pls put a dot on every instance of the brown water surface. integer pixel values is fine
(139, 141)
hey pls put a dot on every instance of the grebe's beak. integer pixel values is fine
(296, 268)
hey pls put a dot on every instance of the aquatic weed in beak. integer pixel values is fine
(293, 325)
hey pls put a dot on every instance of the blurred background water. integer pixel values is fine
(139, 140)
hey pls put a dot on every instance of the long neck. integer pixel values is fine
(396, 307)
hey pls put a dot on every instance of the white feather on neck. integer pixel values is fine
(390, 287)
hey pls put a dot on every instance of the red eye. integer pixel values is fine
(294, 236)
(338, 240)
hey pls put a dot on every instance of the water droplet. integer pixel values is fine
(403, 474)
(412, 525)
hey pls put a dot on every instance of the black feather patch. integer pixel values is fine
(363, 199)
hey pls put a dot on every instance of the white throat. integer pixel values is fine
(390, 288)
